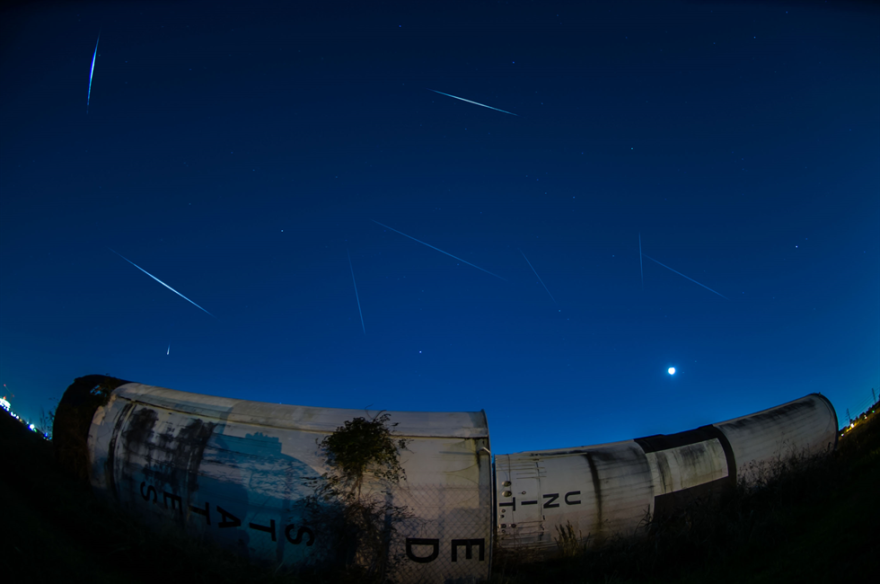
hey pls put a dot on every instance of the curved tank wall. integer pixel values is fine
(598, 489)
(805, 426)
(612, 489)
(238, 471)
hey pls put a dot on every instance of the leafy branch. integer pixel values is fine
(361, 521)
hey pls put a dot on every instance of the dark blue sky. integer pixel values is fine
(237, 151)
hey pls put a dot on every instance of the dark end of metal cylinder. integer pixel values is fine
(73, 417)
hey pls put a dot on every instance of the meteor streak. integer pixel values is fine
(438, 249)
(539, 277)
(641, 269)
(356, 291)
(92, 73)
(473, 102)
(164, 284)
(683, 276)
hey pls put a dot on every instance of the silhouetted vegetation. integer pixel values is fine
(807, 520)
(56, 530)
(360, 453)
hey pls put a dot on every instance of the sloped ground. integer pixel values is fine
(56, 530)
(812, 521)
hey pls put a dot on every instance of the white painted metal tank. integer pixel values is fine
(598, 489)
(805, 426)
(238, 472)
(612, 489)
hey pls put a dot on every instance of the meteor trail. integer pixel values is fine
(473, 102)
(641, 269)
(683, 276)
(164, 284)
(91, 73)
(356, 291)
(438, 249)
(539, 277)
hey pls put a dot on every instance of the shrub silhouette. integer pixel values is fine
(353, 505)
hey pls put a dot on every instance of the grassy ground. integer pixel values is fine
(813, 521)
(810, 521)
(56, 530)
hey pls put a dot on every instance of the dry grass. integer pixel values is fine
(807, 520)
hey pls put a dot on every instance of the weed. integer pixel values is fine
(570, 543)
(354, 504)
(732, 537)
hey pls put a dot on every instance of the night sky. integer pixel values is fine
(242, 152)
